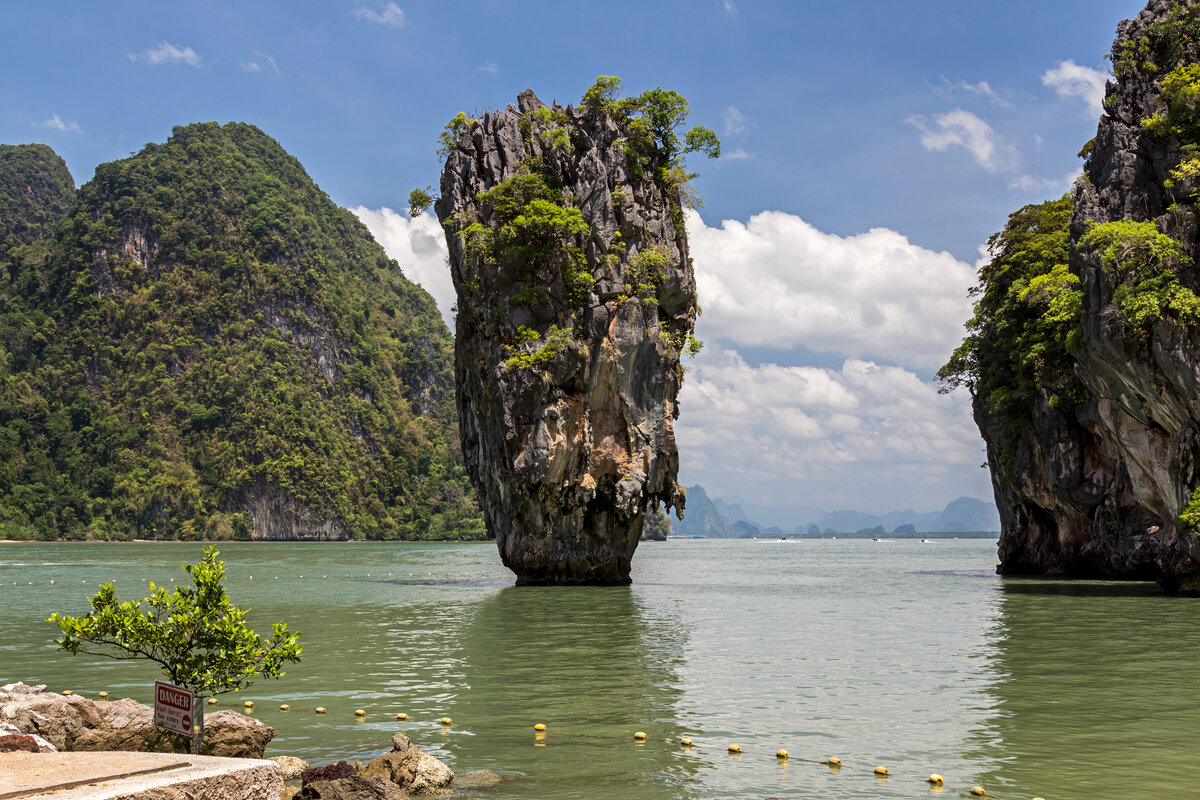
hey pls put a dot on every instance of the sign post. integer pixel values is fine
(175, 709)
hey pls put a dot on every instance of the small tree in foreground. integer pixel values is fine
(194, 633)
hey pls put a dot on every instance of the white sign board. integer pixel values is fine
(173, 708)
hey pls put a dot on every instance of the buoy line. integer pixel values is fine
(541, 730)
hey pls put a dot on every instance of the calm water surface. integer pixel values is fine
(909, 655)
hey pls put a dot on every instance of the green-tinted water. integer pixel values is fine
(904, 654)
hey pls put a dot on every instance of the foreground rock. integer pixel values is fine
(1108, 485)
(393, 776)
(575, 298)
(75, 723)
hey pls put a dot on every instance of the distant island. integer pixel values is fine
(730, 518)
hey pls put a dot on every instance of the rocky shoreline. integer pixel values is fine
(35, 720)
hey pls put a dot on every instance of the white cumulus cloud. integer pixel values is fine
(1069, 79)
(56, 123)
(826, 437)
(776, 281)
(390, 15)
(167, 53)
(419, 247)
(961, 128)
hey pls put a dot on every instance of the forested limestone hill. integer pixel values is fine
(209, 347)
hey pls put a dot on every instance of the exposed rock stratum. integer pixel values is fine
(575, 298)
(1097, 489)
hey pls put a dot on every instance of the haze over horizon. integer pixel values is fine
(870, 149)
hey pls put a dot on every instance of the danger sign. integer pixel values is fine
(173, 708)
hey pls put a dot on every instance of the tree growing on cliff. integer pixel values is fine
(199, 639)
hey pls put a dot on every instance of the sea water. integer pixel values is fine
(909, 655)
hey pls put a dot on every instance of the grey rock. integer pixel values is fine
(567, 456)
(75, 723)
(1096, 492)
(476, 779)
(356, 787)
(290, 767)
(410, 768)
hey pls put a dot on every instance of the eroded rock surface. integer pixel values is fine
(571, 318)
(1097, 491)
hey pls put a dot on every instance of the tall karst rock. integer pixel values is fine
(576, 297)
(208, 346)
(1092, 417)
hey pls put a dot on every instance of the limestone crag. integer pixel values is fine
(1097, 491)
(575, 298)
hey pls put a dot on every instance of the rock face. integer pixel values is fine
(575, 298)
(1097, 491)
(74, 723)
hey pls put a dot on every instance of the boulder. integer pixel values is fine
(410, 768)
(13, 743)
(290, 767)
(476, 779)
(77, 723)
(8, 729)
(355, 787)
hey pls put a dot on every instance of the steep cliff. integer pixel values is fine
(213, 348)
(575, 299)
(1084, 354)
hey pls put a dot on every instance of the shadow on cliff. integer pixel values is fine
(1057, 587)
(594, 664)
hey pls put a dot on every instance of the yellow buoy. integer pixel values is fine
(733, 748)
(539, 727)
(103, 695)
(285, 707)
(978, 791)
(881, 771)
(67, 692)
(358, 712)
(446, 721)
(248, 704)
(402, 716)
(686, 742)
(935, 778)
(212, 701)
(320, 709)
(781, 753)
(640, 735)
(834, 762)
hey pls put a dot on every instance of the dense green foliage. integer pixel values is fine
(1146, 263)
(1026, 320)
(194, 633)
(533, 227)
(36, 190)
(208, 326)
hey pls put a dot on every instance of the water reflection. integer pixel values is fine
(592, 663)
(1097, 691)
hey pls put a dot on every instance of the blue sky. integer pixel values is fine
(871, 147)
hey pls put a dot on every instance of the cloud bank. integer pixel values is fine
(871, 431)
(419, 247)
(778, 282)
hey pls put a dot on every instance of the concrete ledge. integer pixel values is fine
(135, 776)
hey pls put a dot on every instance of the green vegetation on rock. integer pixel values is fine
(1146, 263)
(1026, 320)
(208, 336)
